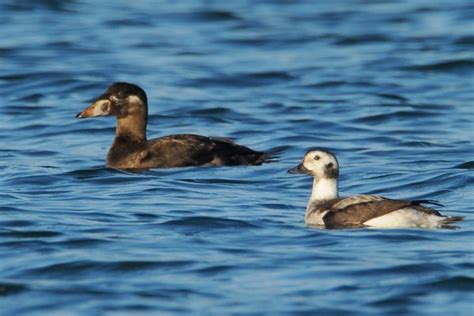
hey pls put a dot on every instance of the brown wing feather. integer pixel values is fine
(226, 152)
(196, 150)
(180, 150)
(339, 204)
(348, 201)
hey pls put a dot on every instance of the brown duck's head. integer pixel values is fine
(319, 163)
(121, 99)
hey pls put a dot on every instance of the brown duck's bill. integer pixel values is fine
(100, 107)
(299, 169)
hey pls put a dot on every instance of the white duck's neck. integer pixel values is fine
(323, 189)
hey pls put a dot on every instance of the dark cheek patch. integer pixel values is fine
(120, 110)
(331, 173)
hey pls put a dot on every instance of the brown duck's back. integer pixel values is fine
(181, 150)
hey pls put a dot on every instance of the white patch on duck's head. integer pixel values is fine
(134, 99)
(114, 98)
(321, 164)
(126, 92)
(130, 99)
(100, 107)
(128, 105)
(135, 105)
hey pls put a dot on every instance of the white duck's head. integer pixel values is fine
(319, 163)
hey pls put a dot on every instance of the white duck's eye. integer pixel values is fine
(316, 157)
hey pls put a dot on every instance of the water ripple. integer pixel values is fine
(388, 88)
(205, 222)
(11, 288)
(460, 65)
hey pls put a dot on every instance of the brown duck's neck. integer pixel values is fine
(132, 127)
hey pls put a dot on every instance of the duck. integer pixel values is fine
(132, 150)
(327, 210)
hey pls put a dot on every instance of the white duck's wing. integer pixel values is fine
(355, 211)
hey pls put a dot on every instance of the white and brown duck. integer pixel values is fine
(326, 209)
(131, 149)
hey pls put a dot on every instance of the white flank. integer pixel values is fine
(406, 217)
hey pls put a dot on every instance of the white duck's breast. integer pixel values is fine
(315, 218)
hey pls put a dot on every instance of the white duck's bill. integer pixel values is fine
(299, 169)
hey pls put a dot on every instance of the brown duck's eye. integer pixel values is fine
(316, 157)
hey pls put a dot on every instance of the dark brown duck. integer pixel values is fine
(131, 149)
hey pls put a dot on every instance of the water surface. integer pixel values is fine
(386, 85)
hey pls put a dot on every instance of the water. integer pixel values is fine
(388, 86)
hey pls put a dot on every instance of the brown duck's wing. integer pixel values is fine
(195, 150)
(179, 151)
(355, 211)
(227, 152)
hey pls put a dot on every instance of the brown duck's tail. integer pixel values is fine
(228, 153)
(269, 156)
(251, 157)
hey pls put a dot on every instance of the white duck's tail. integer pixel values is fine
(448, 221)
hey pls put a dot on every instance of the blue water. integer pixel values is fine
(387, 85)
